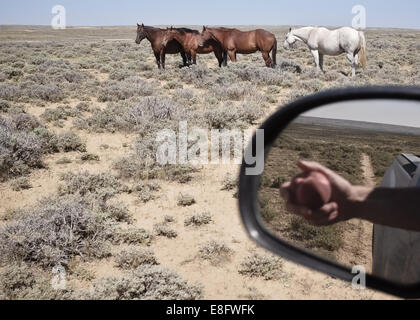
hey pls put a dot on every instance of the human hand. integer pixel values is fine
(339, 207)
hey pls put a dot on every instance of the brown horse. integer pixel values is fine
(155, 36)
(235, 41)
(190, 40)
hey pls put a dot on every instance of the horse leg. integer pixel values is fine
(356, 59)
(315, 53)
(321, 61)
(352, 59)
(162, 60)
(194, 57)
(232, 55)
(274, 54)
(225, 56)
(267, 59)
(184, 59)
(219, 57)
(157, 56)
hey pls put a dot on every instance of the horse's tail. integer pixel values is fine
(363, 53)
(274, 53)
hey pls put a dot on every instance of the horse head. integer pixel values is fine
(206, 35)
(290, 40)
(168, 35)
(141, 33)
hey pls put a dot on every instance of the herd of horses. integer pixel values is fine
(228, 42)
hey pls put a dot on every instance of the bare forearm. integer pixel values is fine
(398, 208)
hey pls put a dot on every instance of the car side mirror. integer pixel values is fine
(369, 136)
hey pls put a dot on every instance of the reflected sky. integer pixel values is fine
(393, 112)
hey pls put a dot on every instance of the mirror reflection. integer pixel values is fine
(367, 145)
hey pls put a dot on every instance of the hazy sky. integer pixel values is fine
(400, 113)
(380, 13)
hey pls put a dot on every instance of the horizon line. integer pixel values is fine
(238, 25)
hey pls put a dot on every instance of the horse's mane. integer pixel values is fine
(187, 30)
(181, 30)
(150, 27)
(224, 29)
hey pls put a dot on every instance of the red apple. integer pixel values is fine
(311, 189)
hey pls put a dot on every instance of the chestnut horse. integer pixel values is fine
(235, 41)
(190, 39)
(155, 36)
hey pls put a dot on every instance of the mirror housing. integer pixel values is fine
(248, 186)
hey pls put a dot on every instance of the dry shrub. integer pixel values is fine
(131, 235)
(20, 151)
(234, 116)
(102, 186)
(259, 265)
(168, 219)
(21, 281)
(107, 119)
(120, 74)
(134, 257)
(179, 173)
(59, 113)
(229, 183)
(185, 200)
(122, 90)
(83, 107)
(69, 141)
(136, 167)
(9, 92)
(198, 219)
(25, 122)
(146, 190)
(48, 92)
(48, 140)
(148, 282)
(54, 232)
(234, 92)
(19, 184)
(130, 116)
(4, 106)
(132, 168)
(198, 75)
(326, 238)
(264, 76)
(12, 73)
(3, 77)
(216, 252)
(80, 272)
(151, 109)
(89, 157)
(164, 230)
(116, 212)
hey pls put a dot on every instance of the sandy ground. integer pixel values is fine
(180, 254)
(358, 235)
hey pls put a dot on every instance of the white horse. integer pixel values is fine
(322, 41)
